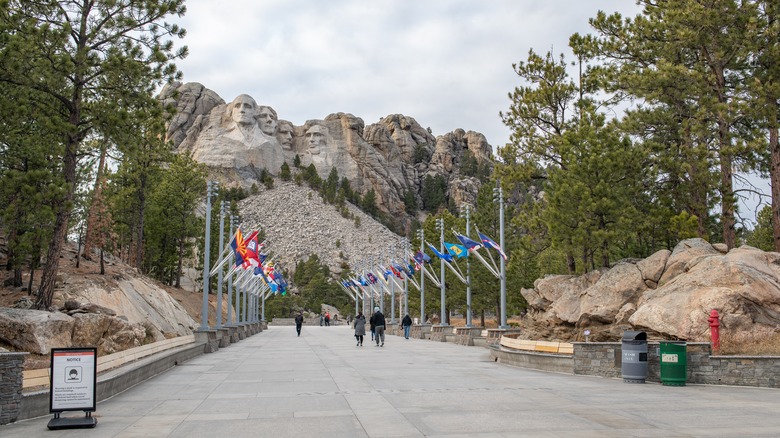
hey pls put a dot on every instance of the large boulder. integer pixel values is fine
(742, 285)
(620, 285)
(35, 331)
(668, 294)
(684, 256)
(108, 334)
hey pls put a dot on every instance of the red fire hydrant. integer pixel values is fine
(714, 321)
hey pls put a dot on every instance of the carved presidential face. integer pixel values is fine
(285, 135)
(243, 110)
(315, 138)
(267, 119)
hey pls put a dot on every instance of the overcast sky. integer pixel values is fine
(447, 63)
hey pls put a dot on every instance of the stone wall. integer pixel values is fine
(604, 359)
(11, 369)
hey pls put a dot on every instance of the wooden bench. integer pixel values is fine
(538, 346)
(40, 377)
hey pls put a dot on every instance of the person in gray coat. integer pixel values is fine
(360, 328)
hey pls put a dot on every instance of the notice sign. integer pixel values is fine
(73, 376)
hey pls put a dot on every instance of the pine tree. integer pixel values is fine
(95, 63)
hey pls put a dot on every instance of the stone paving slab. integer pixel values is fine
(276, 384)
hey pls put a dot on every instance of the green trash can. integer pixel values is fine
(674, 369)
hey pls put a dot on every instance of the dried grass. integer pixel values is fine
(759, 342)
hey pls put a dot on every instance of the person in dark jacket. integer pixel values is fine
(407, 324)
(360, 328)
(372, 326)
(299, 322)
(379, 327)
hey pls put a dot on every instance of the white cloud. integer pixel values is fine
(447, 63)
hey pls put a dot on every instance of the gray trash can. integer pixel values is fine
(634, 357)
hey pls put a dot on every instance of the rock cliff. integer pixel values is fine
(392, 156)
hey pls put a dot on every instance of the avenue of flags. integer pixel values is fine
(251, 262)
(405, 269)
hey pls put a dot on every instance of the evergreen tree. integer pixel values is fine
(95, 64)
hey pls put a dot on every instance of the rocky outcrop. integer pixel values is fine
(391, 157)
(669, 294)
(39, 331)
(297, 223)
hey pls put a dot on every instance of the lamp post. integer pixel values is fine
(498, 196)
(465, 209)
(421, 234)
(443, 315)
(211, 187)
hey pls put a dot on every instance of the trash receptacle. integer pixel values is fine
(634, 357)
(674, 361)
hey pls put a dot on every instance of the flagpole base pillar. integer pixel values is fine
(223, 334)
(233, 334)
(494, 335)
(209, 337)
(439, 332)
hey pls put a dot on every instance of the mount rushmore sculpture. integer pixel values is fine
(237, 140)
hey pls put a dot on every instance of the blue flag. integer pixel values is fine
(468, 243)
(446, 257)
(490, 243)
(458, 251)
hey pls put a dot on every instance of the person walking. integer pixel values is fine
(360, 328)
(299, 322)
(327, 319)
(371, 324)
(379, 327)
(407, 324)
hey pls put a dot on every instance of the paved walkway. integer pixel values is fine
(275, 384)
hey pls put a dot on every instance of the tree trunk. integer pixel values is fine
(93, 219)
(726, 189)
(774, 177)
(102, 263)
(63, 209)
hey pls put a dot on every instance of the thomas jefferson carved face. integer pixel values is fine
(315, 137)
(242, 110)
(266, 116)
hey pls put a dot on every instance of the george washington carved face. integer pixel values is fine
(242, 110)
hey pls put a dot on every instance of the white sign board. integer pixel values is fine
(669, 358)
(73, 376)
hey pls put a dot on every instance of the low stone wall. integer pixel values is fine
(604, 359)
(11, 376)
(560, 363)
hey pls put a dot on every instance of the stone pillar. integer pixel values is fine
(210, 338)
(11, 377)
(439, 332)
(224, 337)
(466, 335)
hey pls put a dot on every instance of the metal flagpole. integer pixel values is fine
(230, 322)
(392, 299)
(468, 272)
(499, 192)
(443, 315)
(204, 314)
(219, 274)
(422, 278)
(406, 281)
